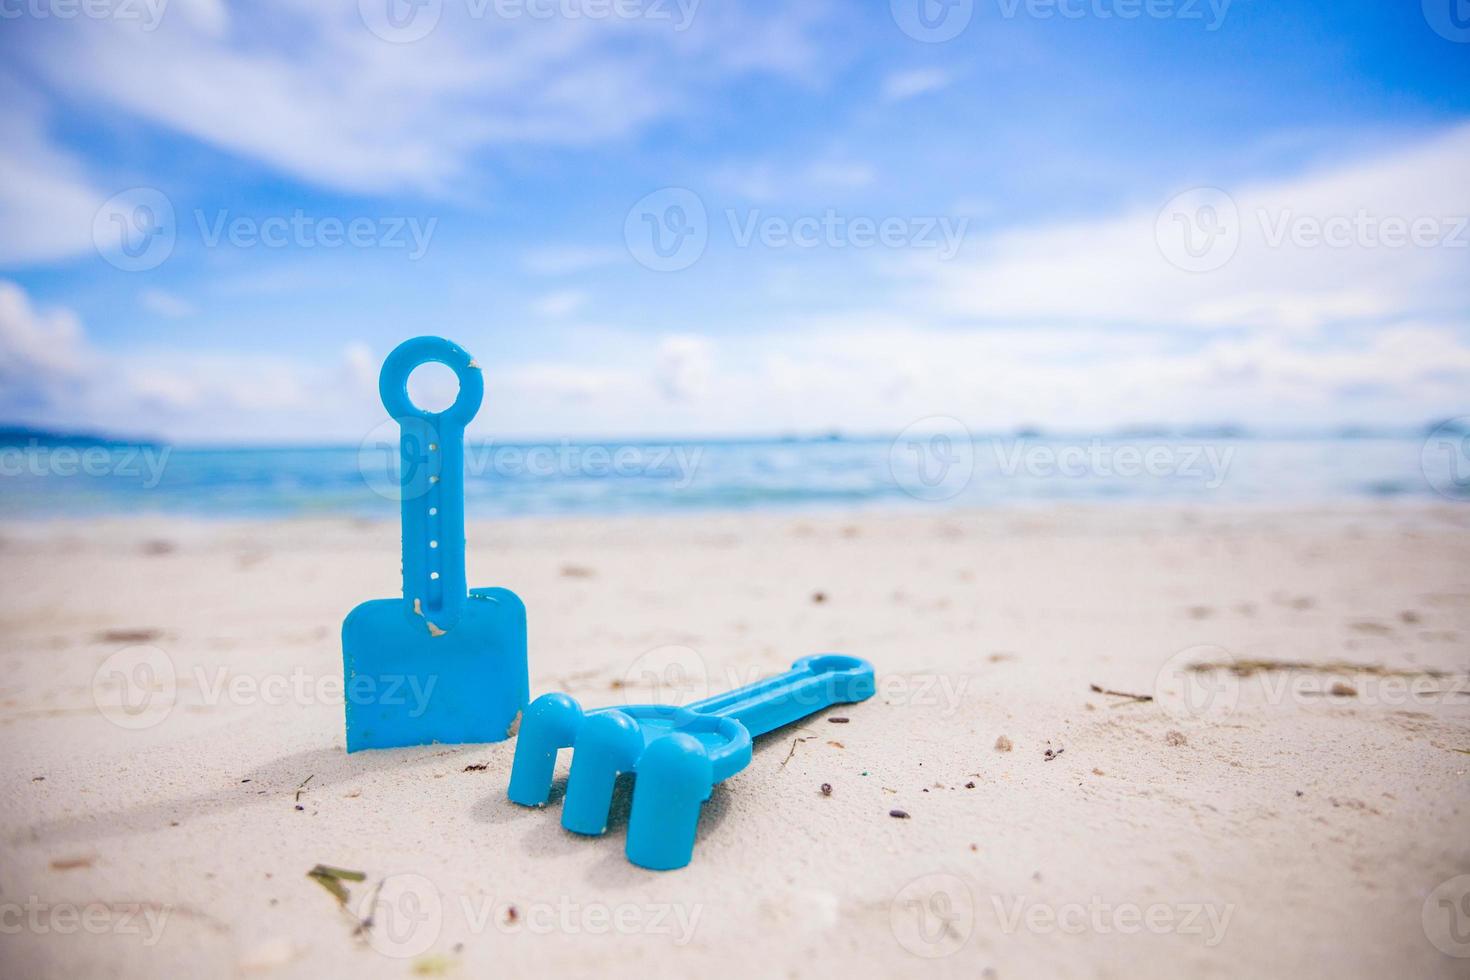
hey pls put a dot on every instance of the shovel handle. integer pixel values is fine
(431, 472)
(812, 684)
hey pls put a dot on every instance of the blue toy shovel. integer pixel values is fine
(678, 753)
(437, 665)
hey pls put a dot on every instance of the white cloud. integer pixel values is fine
(1115, 271)
(851, 372)
(561, 260)
(47, 202)
(685, 364)
(560, 303)
(902, 85)
(43, 354)
(164, 303)
(52, 374)
(764, 181)
(310, 90)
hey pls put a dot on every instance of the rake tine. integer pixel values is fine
(608, 743)
(549, 725)
(675, 777)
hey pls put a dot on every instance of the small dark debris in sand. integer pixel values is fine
(974, 847)
(826, 789)
(1130, 698)
(835, 744)
(1175, 738)
(970, 784)
(300, 808)
(331, 879)
(129, 636)
(794, 743)
(819, 597)
(899, 814)
(1352, 804)
(1341, 689)
(1246, 667)
(839, 720)
(1051, 754)
(1003, 744)
(245, 780)
(72, 863)
(511, 913)
(38, 779)
(617, 683)
(576, 571)
(1409, 616)
(1300, 793)
(1374, 629)
(158, 546)
(477, 767)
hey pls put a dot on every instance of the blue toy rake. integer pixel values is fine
(678, 753)
(439, 664)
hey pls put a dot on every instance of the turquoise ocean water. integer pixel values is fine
(596, 478)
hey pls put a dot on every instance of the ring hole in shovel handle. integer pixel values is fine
(393, 382)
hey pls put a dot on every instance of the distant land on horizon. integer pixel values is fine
(24, 435)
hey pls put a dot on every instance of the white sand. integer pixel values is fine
(1275, 833)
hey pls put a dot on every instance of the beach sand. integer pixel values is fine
(1304, 821)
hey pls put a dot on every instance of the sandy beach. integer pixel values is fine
(1124, 742)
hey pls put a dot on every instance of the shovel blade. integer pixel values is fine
(402, 685)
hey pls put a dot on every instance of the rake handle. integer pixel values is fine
(812, 684)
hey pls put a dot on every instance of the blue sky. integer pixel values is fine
(1082, 213)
